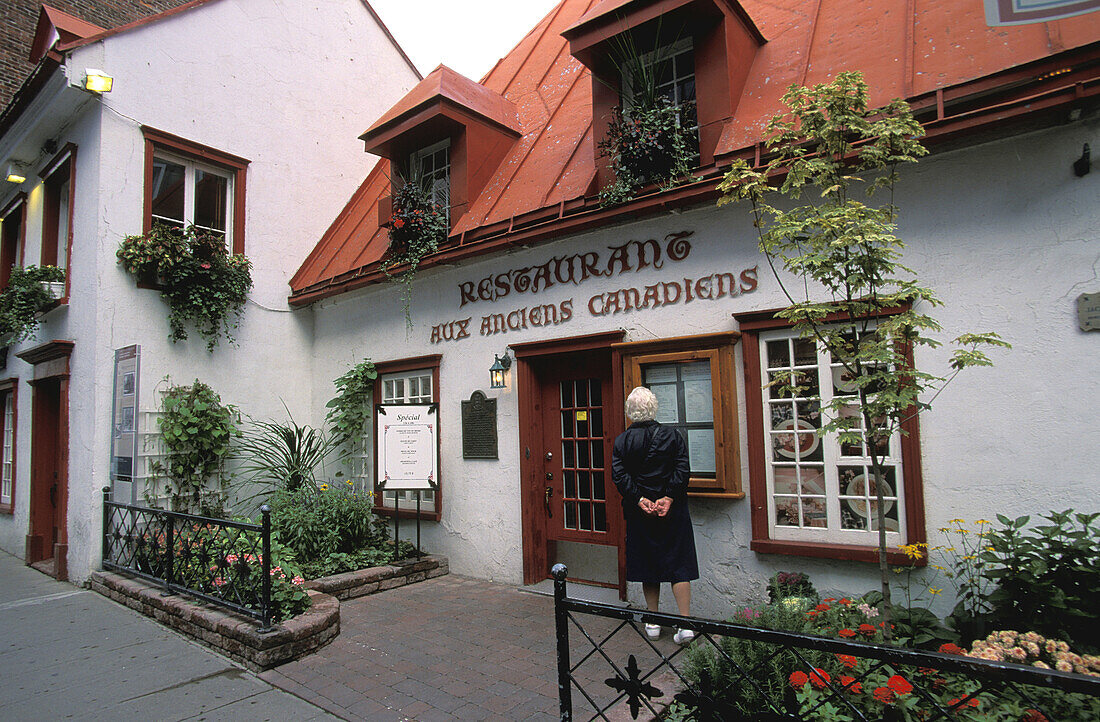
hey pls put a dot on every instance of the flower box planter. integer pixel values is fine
(56, 289)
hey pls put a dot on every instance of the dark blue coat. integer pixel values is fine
(651, 460)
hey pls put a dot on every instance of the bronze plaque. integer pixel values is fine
(479, 427)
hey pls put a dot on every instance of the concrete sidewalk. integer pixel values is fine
(68, 653)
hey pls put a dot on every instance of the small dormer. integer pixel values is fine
(55, 26)
(454, 131)
(706, 46)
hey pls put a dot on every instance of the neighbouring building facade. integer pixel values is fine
(670, 291)
(238, 115)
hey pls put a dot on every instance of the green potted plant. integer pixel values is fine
(23, 300)
(204, 286)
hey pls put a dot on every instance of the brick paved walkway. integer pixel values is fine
(450, 648)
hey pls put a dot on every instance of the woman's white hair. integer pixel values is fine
(641, 405)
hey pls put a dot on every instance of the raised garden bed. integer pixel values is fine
(362, 582)
(236, 636)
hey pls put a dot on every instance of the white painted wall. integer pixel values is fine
(1004, 232)
(286, 84)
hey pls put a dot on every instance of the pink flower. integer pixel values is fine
(205, 266)
(297, 581)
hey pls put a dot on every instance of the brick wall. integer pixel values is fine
(19, 18)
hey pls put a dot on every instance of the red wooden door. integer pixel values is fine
(579, 499)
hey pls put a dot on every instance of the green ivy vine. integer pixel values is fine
(349, 410)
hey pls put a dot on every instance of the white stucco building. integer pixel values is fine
(670, 291)
(249, 110)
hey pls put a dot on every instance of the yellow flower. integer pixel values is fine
(911, 551)
(957, 521)
(984, 521)
(324, 487)
(348, 482)
(934, 590)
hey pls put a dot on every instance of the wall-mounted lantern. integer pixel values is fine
(498, 372)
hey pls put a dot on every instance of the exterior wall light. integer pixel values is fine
(499, 371)
(15, 173)
(97, 81)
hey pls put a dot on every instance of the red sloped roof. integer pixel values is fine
(68, 27)
(903, 49)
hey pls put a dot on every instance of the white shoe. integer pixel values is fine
(683, 636)
(653, 630)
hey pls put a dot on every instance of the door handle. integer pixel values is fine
(549, 494)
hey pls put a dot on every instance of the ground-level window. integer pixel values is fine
(408, 381)
(7, 446)
(188, 184)
(692, 378)
(812, 494)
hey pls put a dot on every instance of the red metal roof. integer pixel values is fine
(904, 49)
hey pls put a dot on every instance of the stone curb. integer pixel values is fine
(360, 583)
(233, 635)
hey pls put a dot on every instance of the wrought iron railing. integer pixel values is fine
(614, 665)
(226, 563)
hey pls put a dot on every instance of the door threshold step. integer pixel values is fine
(578, 590)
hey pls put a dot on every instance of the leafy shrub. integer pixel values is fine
(197, 430)
(321, 524)
(1047, 577)
(204, 286)
(349, 410)
(23, 299)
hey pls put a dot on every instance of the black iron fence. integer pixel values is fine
(226, 563)
(739, 672)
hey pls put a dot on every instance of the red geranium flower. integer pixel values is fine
(866, 630)
(968, 703)
(884, 695)
(848, 660)
(829, 599)
(847, 633)
(951, 648)
(845, 601)
(822, 607)
(397, 223)
(819, 678)
(1034, 715)
(899, 684)
(850, 684)
(798, 679)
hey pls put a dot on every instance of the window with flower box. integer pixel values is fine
(433, 170)
(12, 230)
(812, 494)
(191, 184)
(57, 215)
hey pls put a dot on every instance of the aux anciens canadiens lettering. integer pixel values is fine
(578, 268)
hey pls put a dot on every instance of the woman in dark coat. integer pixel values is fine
(649, 465)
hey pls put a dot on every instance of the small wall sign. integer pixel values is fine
(1088, 311)
(479, 427)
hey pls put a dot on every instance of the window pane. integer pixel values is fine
(211, 200)
(168, 191)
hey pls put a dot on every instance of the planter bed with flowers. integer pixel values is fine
(234, 635)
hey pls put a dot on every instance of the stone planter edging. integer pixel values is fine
(360, 583)
(233, 635)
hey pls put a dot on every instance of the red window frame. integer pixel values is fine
(12, 238)
(60, 169)
(751, 326)
(158, 140)
(416, 363)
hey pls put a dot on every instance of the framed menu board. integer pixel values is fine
(407, 446)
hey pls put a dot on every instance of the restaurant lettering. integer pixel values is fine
(578, 268)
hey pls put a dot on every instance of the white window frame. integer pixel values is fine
(391, 395)
(190, 170)
(7, 468)
(440, 176)
(831, 460)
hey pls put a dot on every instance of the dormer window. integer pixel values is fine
(670, 71)
(433, 171)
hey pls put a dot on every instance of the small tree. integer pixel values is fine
(855, 297)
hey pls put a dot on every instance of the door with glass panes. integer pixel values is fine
(579, 500)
